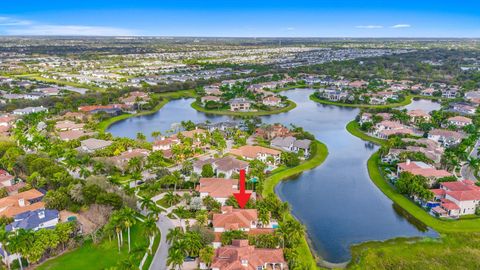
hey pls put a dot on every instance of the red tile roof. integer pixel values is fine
(231, 257)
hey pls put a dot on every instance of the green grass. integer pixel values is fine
(156, 243)
(408, 100)
(317, 159)
(102, 255)
(291, 105)
(452, 251)
(166, 97)
(354, 128)
(296, 86)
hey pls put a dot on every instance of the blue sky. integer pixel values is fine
(295, 18)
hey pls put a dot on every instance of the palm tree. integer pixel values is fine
(175, 258)
(146, 203)
(20, 242)
(150, 230)
(156, 134)
(174, 234)
(4, 235)
(206, 255)
(193, 243)
(170, 198)
(129, 219)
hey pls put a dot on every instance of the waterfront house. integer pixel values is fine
(250, 152)
(240, 104)
(422, 169)
(206, 99)
(219, 189)
(418, 115)
(456, 198)
(241, 255)
(272, 101)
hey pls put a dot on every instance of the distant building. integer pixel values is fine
(29, 110)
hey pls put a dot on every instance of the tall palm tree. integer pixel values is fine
(128, 217)
(19, 242)
(150, 230)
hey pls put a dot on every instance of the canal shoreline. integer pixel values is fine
(291, 105)
(407, 101)
(165, 98)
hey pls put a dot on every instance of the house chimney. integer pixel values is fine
(408, 162)
(21, 202)
(129, 150)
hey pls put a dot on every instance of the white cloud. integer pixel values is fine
(290, 28)
(401, 26)
(369, 26)
(7, 21)
(12, 26)
(69, 30)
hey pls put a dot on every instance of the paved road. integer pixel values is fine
(159, 260)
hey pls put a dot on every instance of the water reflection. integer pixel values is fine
(337, 202)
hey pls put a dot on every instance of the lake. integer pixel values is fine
(337, 201)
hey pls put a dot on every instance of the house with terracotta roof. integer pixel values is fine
(272, 101)
(73, 134)
(206, 99)
(121, 161)
(235, 219)
(418, 115)
(422, 169)
(456, 198)
(112, 109)
(459, 121)
(251, 152)
(387, 128)
(68, 125)
(135, 97)
(8, 182)
(22, 202)
(241, 255)
(446, 137)
(240, 104)
(219, 189)
(271, 131)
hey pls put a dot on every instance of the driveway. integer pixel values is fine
(159, 261)
(466, 172)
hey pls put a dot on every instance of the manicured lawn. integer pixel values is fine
(101, 256)
(354, 129)
(319, 157)
(166, 97)
(291, 106)
(408, 100)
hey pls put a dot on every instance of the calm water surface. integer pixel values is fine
(337, 201)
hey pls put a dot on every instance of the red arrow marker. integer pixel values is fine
(242, 197)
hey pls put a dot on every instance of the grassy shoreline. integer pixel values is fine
(440, 225)
(306, 254)
(408, 100)
(291, 106)
(165, 98)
